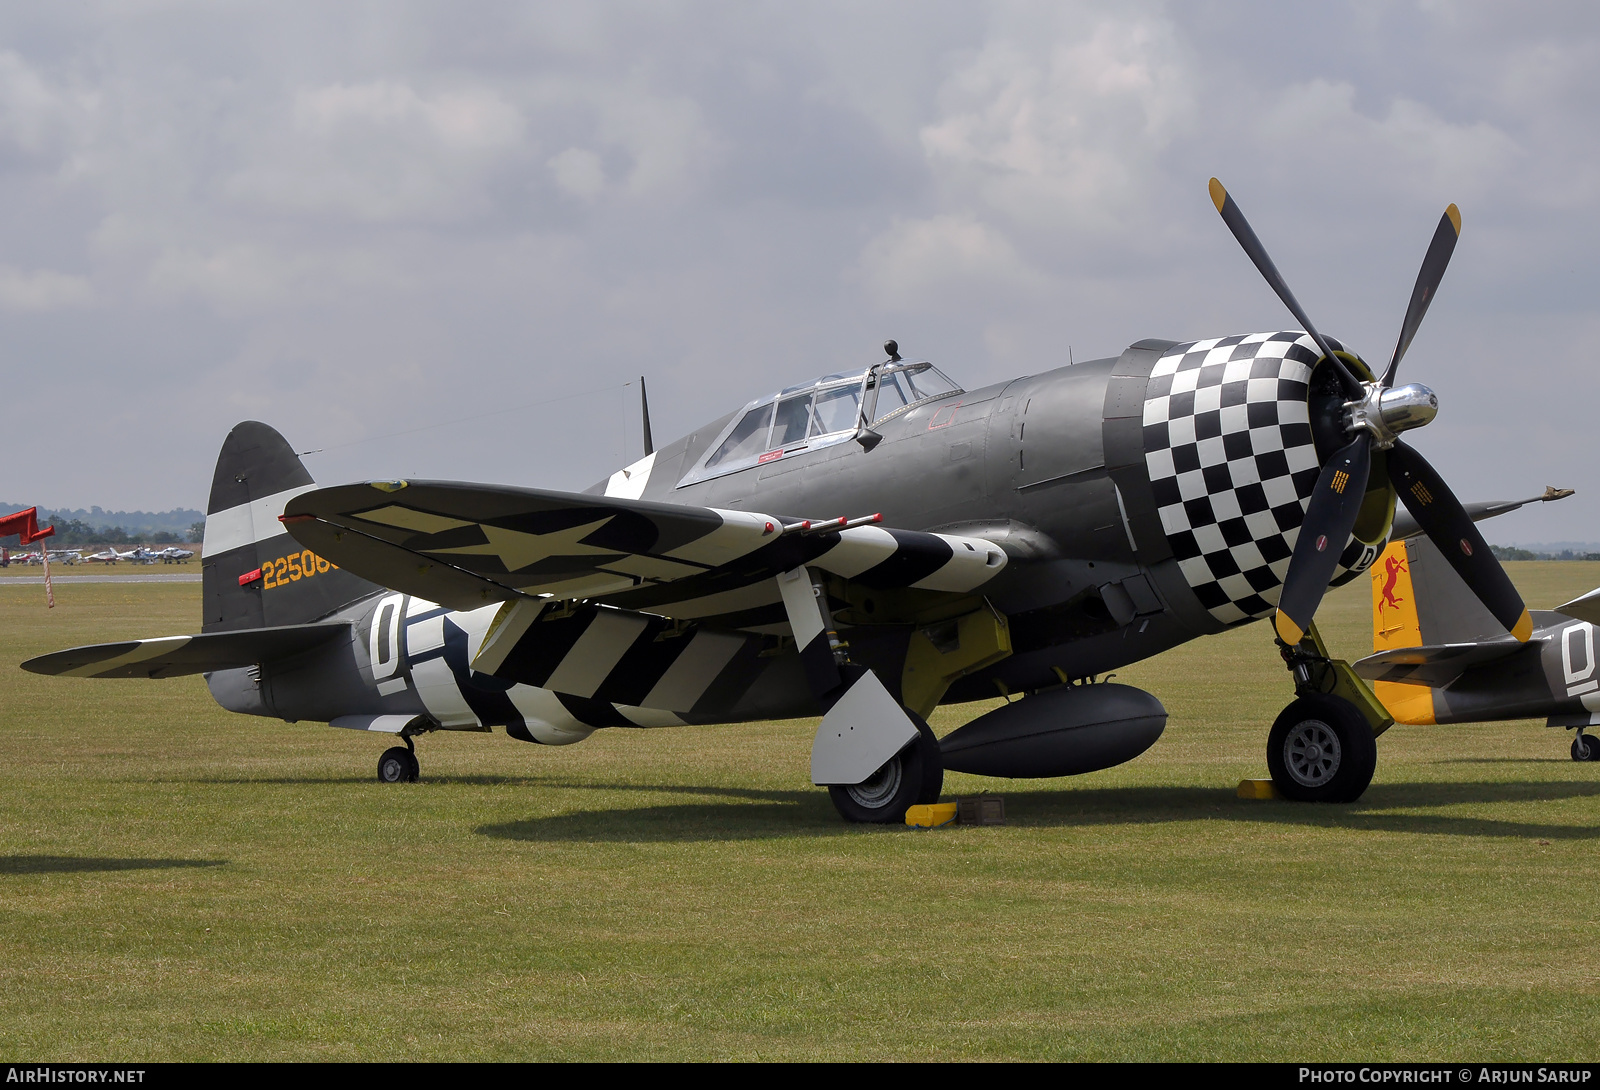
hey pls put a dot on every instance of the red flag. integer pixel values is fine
(25, 524)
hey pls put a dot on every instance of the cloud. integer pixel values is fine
(1063, 130)
(921, 264)
(42, 290)
(355, 220)
(578, 171)
(382, 151)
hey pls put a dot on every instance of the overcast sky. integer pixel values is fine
(353, 221)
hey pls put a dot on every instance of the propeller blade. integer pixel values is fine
(1328, 522)
(1441, 517)
(1434, 264)
(1258, 254)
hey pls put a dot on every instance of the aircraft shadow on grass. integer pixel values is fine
(360, 781)
(752, 814)
(75, 864)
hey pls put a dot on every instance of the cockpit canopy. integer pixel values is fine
(818, 414)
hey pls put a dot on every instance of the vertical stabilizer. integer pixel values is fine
(255, 573)
(1419, 601)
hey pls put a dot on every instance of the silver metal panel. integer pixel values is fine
(859, 734)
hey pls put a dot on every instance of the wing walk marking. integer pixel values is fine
(409, 518)
(692, 672)
(144, 650)
(589, 662)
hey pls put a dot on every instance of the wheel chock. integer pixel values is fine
(930, 815)
(1258, 789)
(982, 810)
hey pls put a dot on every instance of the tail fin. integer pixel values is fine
(1418, 600)
(256, 574)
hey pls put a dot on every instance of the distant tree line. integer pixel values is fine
(1511, 552)
(72, 532)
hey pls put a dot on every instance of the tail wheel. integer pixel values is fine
(1321, 749)
(915, 774)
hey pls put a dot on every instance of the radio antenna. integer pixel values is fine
(644, 408)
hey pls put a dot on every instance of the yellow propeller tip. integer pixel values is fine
(1289, 632)
(1523, 629)
(1455, 218)
(1219, 196)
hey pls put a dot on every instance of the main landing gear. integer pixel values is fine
(914, 775)
(399, 764)
(1585, 748)
(1323, 746)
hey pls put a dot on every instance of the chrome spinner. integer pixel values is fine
(1387, 413)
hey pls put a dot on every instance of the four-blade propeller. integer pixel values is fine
(1375, 413)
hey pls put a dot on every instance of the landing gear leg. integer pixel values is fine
(1323, 748)
(1585, 748)
(863, 723)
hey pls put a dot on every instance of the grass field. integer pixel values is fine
(177, 883)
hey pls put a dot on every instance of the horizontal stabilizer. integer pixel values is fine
(174, 656)
(1406, 526)
(1439, 664)
(1583, 608)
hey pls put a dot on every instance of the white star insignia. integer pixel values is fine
(517, 550)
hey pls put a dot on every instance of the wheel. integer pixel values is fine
(1321, 749)
(398, 765)
(1585, 748)
(915, 774)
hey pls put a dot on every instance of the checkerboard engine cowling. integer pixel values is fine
(1227, 441)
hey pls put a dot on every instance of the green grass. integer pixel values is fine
(178, 883)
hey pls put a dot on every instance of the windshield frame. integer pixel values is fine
(867, 383)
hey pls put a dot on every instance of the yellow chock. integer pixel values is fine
(1258, 789)
(930, 815)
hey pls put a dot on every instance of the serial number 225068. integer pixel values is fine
(293, 568)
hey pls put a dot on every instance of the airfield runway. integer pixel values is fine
(183, 884)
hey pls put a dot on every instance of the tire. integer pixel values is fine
(906, 779)
(1321, 749)
(397, 765)
(1585, 748)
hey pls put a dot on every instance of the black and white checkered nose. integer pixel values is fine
(1232, 463)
